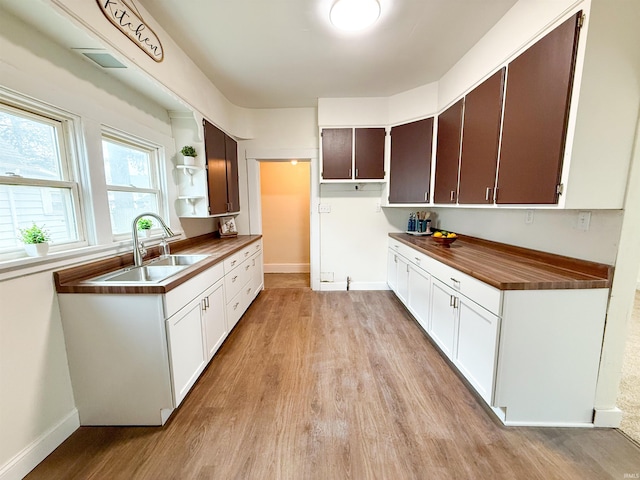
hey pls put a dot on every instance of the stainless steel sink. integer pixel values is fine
(144, 274)
(182, 260)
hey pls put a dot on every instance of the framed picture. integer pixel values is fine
(227, 227)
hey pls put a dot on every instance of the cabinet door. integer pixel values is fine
(443, 318)
(337, 153)
(448, 154)
(480, 139)
(392, 270)
(410, 174)
(214, 323)
(538, 92)
(402, 285)
(215, 149)
(257, 273)
(231, 168)
(186, 352)
(419, 295)
(477, 346)
(369, 153)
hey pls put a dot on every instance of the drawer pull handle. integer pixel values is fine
(417, 260)
(248, 291)
(456, 283)
(236, 305)
(234, 278)
(246, 254)
(247, 267)
(233, 262)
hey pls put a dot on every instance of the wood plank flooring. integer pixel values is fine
(335, 385)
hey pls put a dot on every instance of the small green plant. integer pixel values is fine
(145, 224)
(189, 151)
(34, 234)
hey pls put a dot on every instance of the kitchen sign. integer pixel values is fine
(131, 24)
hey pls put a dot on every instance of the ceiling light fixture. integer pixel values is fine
(354, 14)
(294, 162)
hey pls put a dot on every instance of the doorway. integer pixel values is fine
(629, 390)
(285, 211)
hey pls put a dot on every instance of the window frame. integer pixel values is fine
(156, 172)
(67, 128)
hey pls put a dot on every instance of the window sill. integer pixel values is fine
(20, 267)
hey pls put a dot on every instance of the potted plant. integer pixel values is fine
(36, 240)
(189, 153)
(144, 224)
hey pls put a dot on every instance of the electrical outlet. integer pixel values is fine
(326, 276)
(324, 208)
(378, 207)
(584, 219)
(528, 217)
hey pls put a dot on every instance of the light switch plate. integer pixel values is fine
(584, 220)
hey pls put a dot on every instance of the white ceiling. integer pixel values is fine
(285, 53)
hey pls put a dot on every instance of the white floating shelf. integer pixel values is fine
(191, 200)
(190, 171)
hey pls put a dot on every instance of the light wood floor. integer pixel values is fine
(335, 385)
(286, 280)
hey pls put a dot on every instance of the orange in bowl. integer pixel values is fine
(444, 238)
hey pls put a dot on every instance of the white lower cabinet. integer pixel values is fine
(443, 317)
(531, 355)
(419, 295)
(476, 350)
(134, 357)
(186, 349)
(214, 322)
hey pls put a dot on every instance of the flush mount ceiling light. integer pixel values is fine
(354, 14)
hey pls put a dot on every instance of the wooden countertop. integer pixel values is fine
(507, 267)
(73, 280)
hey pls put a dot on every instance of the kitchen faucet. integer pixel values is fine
(138, 249)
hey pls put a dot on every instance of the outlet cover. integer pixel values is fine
(324, 208)
(528, 217)
(584, 220)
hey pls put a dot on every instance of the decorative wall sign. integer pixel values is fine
(129, 22)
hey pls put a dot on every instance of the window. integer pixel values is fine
(132, 177)
(37, 180)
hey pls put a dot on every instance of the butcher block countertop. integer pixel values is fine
(507, 267)
(73, 280)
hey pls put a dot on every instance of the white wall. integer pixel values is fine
(37, 409)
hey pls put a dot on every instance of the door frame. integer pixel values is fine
(253, 157)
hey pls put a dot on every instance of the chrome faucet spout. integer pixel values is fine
(138, 249)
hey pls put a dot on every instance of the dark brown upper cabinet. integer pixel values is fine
(342, 159)
(410, 174)
(480, 140)
(337, 153)
(222, 170)
(537, 98)
(369, 153)
(445, 188)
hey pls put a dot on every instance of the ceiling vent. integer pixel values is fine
(101, 57)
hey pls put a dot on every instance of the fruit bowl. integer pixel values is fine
(444, 241)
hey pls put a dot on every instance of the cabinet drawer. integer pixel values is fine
(236, 279)
(235, 309)
(177, 298)
(237, 258)
(472, 288)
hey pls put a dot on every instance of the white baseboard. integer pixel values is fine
(610, 417)
(286, 268)
(30, 456)
(338, 286)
